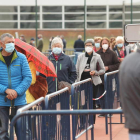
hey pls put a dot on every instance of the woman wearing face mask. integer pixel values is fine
(65, 68)
(119, 48)
(111, 63)
(97, 43)
(86, 66)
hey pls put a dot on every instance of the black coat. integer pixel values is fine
(110, 60)
(79, 45)
(65, 69)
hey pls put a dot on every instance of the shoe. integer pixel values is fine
(101, 115)
(109, 115)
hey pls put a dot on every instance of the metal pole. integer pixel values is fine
(36, 18)
(131, 11)
(123, 13)
(84, 20)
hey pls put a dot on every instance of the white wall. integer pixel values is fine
(66, 2)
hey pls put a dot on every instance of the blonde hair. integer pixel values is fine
(97, 38)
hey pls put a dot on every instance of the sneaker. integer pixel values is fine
(109, 115)
(101, 115)
(98, 106)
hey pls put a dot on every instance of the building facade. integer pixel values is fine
(65, 14)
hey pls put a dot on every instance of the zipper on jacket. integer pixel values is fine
(9, 79)
(56, 74)
(60, 66)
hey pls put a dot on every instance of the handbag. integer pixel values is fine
(40, 88)
(64, 84)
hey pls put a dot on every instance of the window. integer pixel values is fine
(74, 8)
(115, 8)
(52, 24)
(8, 8)
(134, 16)
(28, 17)
(28, 9)
(96, 24)
(74, 16)
(74, 24)
(28, 25)
(96, 8)
(52, 17)
(8, 24)
(96, 16)
(115, 16)
(115, 24)
(8, 17)
(52, 8)
(135, 8)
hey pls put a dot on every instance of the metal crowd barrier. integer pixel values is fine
(111, 84)
(81, 96)
(30, 127)
(57, 127)
(63, 113)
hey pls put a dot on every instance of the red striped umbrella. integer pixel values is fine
(42, 63)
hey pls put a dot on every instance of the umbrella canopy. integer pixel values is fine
(42, 63)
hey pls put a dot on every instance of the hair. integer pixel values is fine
(97, 38)
(57, 40)
(113, 44)
(6, 35)
(79, 36)
(40, 35)
(105, 38)
(90, 41)
(120, 38)
(111, 39)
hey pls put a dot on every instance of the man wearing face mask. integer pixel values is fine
(15, 79)
(65, 68)
(32, 42)
(86, 67)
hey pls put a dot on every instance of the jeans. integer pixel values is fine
(4, 122)
(134, 136)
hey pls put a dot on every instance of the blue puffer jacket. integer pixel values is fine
(17, 76)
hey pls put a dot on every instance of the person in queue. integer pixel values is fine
(15, 79)
(86, 67)
(97, 41)
(119, 48)
(111, 63)
(65, 68)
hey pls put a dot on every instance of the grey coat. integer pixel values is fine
(81, 63)
(129, 78)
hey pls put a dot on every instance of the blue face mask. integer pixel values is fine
(120, 45)
(9, 47)
(97, 45)
(57, 50)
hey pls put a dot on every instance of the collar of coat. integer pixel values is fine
(60, 58)
(13, 58)
(107, 51)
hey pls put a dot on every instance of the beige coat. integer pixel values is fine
(81, 63)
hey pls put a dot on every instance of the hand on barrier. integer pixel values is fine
(106, 68)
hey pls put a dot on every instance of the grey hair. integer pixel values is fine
(79, 37)
(90, 41)
(6, 35)
(57, 40)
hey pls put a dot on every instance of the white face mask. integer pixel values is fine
(88, 49)
(131, 45)
(105, 46)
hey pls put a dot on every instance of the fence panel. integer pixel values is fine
(81, 96)
(57, 127)
(29, 127)
(62, 113)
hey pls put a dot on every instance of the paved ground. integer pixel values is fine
(118, 130)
